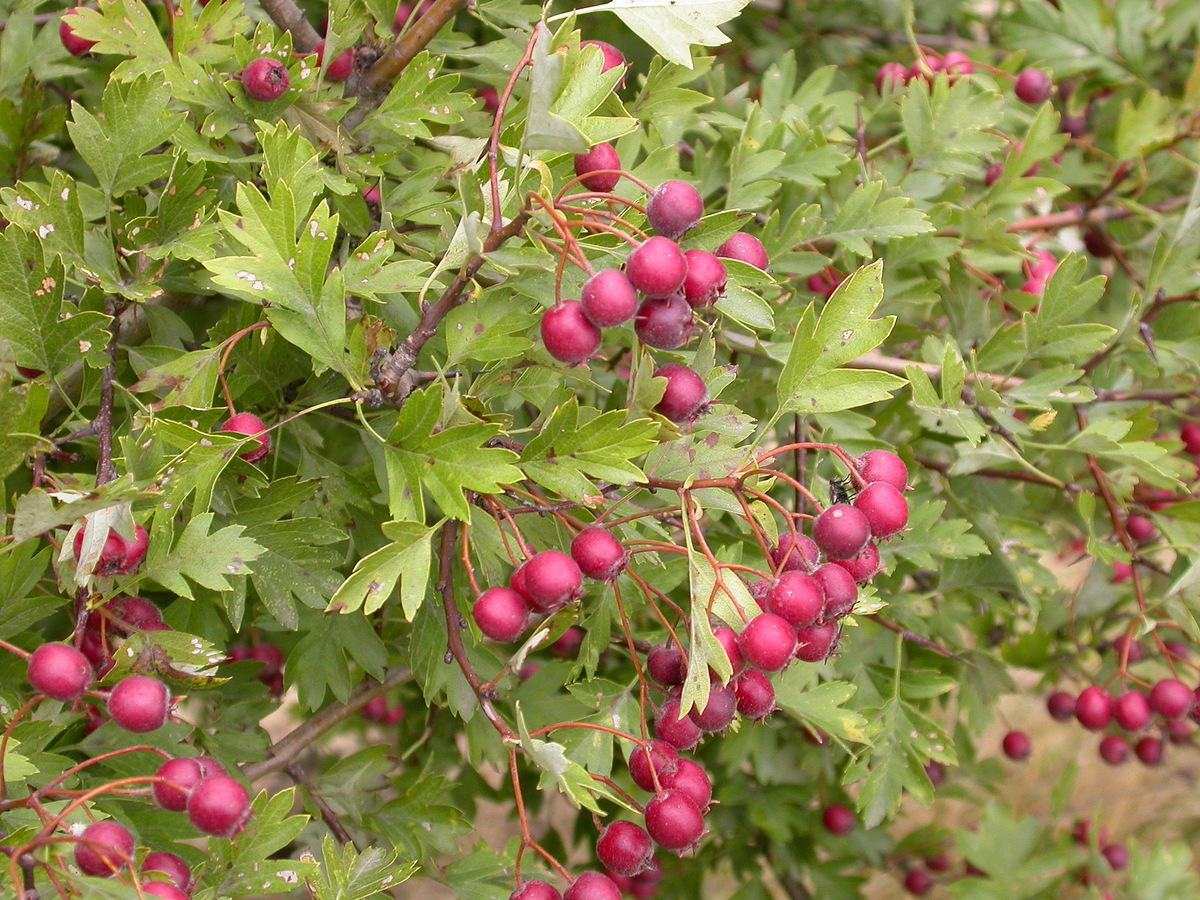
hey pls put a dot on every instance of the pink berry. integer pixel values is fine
(251, 426)
(162, 890)
(501, 614)
(139, 704)
(660, 758)
(657, 267)
(1114, 749)
(863, 567)
(1132, 711)
(795, 553)
(551, 580)
(768, 642)
(372, 196)
(179, 777)
(674, 821)
(608, 299)
(883, 465)
(956, 63)
(60, 672)
(797, 598)
(1149, 750)
(1141, 529)
(686, 396)
(825, 282)
(599, 555)
(841, 591)
(815, 643)
(674, 208)
(755, 694)
(666, 665)
(265, 80)
(599, 169)
(918, 882)
(1171, 699)
(625, 848)
(1032, 86)
(885, 508)
(568, 335)
(490, 97)
(104, 849)
(219, 806)
(1093, 708)
(677, 730)
(664, 323)
(75, 45)
(535, 890)
(841, 531)
(175, 869)
(1017, 746)
(745, 248)
(838, 819)
(1117, 856)
(592, 886)
(729, 641)
(689, 778)
(891, 77)
(705, 280)
(718, 712)
(133, 613)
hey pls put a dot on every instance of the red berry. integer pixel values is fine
(745, 248)
(657, 267)
(1189, 433)
(883, 465)
(815, 643)
(690, 779)
(625, 848)
(664, 323)
(885, 508)
(768, 642)
(250, 425)
(661, 757)
(666, 665)
(841, 592)
(891, 77)
(686, 395)
(177, 871)
(841, 531)
(1132, 711)
(674, 821)
(139, 704)
(104, 849)
(133, 613)
(755, 694)
(1122, 572)
(163, 890)
(1135, 653)
(798, 553)
(1017, 746)
(865, 566)
(1171, 699)
(340, 68)
(75, 45)
(918, 882)
(551, 580)
(718, 712)
(592, 886)
(956, 63)
(1149, 750)
(568, 335)
(728, 639)
(1117, 856)
(678, 731)
(825, 282)
(705, 280)
(599, 169)
(1140, 529)
(179, 777)
(796, 598)
(1114, 749)
(612, 56)
(838, 819)
(60, 672)
(219, 806)
(1032, 86)
(265, 80)
(119, 556)
(939, 863)
(490, 98)
(535, 890)
(1093, 708)
(1061, 706)
(608, 299)
(501, 614)
(674, 208)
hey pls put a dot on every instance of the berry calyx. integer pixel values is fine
(666, 665)
(686, 396)
(251, 426)
(265, 80)
(608, 299)
(837, 819)
(1171, 699)
(1017, 746)
(599, 169)
(1093, 708)
(60, 672)
(745, 248)
(139, 704)
(1032, 86)
(755, 694)
(501, 613)
(568, 335)
(674, 208)
(219, 806)
(705, 280)
(664, 323)
(625, 848)
(104, 849)
(592, 886)
(535, 890)
(599, 555)
(841, 531)
(179, 777)
(796, 598)
(768, 642)
(661, 758)
(657, 267)
(550, 580)
(75, 45)
(674, 821)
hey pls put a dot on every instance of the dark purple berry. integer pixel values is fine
(1149, 750)
(674, 208)
(608, 299)
(1032, 86)
(686, 395)
(814, 643)
(838, 819)
(1114, 749)
(666, 665)
(599, 169)
(755, 694)
(678, 731)
(1061, 706)
(664, 323)
(718, 712)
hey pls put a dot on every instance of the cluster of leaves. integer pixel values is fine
(174, 252)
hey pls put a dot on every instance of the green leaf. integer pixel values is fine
(868, 216)
(671, 27)
(558, 770)
(544, 129)
(202, 558)
(418, 98)
(189, 380)
(347, 874)
(821, 705)
(406, 560)
(946, 128)
(298, 564)
(245, 866)
(419, 823)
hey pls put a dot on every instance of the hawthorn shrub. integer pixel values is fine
(670, 423)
